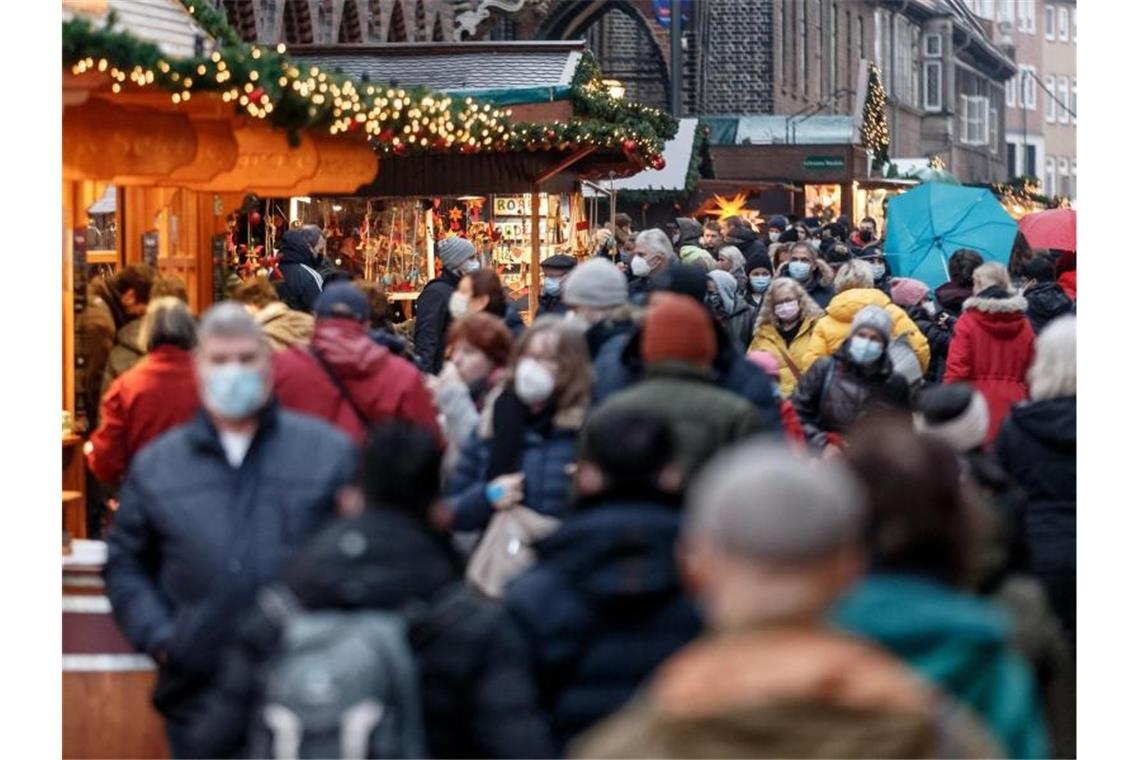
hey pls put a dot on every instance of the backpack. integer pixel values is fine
(341, 684)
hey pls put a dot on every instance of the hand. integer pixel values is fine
(113, 505)
(831, 451)
(943, 319)
(506, 491)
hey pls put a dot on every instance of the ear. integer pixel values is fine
(588, 478)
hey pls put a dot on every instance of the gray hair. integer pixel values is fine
(230, 319)
(758, 500)
(1054, 370)
(168, 322)
(854, 274)
(990, 274)
(657, 241)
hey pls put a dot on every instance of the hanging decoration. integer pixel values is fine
(874, 134)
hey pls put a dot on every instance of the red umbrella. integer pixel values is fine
(1055, 228)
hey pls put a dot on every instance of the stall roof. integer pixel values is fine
(105, 204)
(782, 130)
(164, 23)
(678, 153)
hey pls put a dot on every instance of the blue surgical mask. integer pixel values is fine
(551, 286)
(234, 391)
(864, 350)
(760, 283)
(878, 270)
(799, 270)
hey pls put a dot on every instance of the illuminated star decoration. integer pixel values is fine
(725, 208)
(455, 214)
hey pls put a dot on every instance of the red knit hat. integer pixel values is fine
(678, 328)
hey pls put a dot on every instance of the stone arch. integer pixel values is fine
(397, 29)
(437, 30)
(419, 33)
(350, 27)
(298, 23)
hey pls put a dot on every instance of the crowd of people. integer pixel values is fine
(730, 492)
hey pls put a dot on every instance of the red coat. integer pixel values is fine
(382, 385)
(1068, 283)
(157, 394)
(992, 349)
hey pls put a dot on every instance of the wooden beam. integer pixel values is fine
(535, 253)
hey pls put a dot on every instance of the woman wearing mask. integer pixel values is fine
(732, 261)
(482, 291)
(838, 390)
(914, 297)
(528, 432)
(729, 308)
(758, 268)
(783, 329)
(805, 267)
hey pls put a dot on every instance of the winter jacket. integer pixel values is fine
(433, 317)
(960, 642)
(128, 349)
(602, 608)
(787, 692)
(194, 538)
(819, 288)
(285, 327)
(1045, 302)
(601, 334)
(157, 394)
(1037, 446)
(768, 339)
(301, 284)
(459, 414)
(381, 385)
(703, 417)
(992, 349)
(1068, 283)
(97, 325)
(476, 697)
(551, 304)
(546, 483)
(937, 338)
(834, 327)
(949, 297)
(835, 393)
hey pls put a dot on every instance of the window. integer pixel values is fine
(834, 49)
(993, 116)
(1011, 91)
(932, 93)
(825, 88)
(1073, 184)
(975, 113)
(1073, 32)
(801, 40)
(1050, 28)
(1050, 177)
(1050, 99)
(1030, 169)
(881, 49)
(1063, 98)
(1005, 11)
(1063, 172)
(778, 41)
(1027, 17)
(985, 8)
(1063, 24)
(915, 67)
(1028, 76)
(903, 60)
(862, 40)
(1011, 160)
(932, 45)
(1073, 99)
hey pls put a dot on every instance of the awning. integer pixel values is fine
(678, 154)
(105, 204)
(822, 129)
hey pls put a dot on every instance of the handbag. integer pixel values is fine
(505, 549)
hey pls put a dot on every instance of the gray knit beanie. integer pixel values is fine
(596, 284)
(875, 317)
(453, 251)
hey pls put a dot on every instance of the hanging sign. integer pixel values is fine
(824, 162)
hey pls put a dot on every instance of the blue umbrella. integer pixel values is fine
(927, 224)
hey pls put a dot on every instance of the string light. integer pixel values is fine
(874, 133)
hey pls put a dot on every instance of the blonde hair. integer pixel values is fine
(809, 309)
(1054, 370)
(990, 274)
(575, 376)
(854, 274)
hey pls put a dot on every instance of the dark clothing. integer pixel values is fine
(551, 304)
(514, 322)
(638, 290)
(790, 334)
(1046, 301)
(819, 292)
(195, 538)
(301, 284)
(949, 297)
(602, 608)
(835, 393)
(600, 334)
(937, 337)
(98, 326)
(1037, 446)
(432, 320)
(477, 699)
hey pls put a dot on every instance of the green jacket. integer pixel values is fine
(126, 352)
(703, 417)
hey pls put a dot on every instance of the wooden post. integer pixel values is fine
(535, 253)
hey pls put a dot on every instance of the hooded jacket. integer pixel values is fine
(689, 247)
(301, 284)
(1038, 448)
(433, 317)
(992, 349)
(98, 325)
(738, 314)
(477, 699)
(834, 327)
(285, 327)
(126, 352)
(381, 385)
(1045, 302)
(602, 608)
(960, 642)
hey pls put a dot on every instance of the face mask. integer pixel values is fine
(233, 391)
(551, 286)
(715, 303)
(787, 311)
(759, 283)
(639, 266)
(866, 236)
(457, 305)
(864, 350)
(774, 235)
(928, 307)
(469, 266)
(533, 381)
(799, 270)
(878, 270)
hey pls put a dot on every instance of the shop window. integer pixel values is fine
(1050, 99)
(1050, 176)
(1027, 17)
(1050, 25)
(1063, 24)
(932, 94)
(1028, 78)
(1063, 99)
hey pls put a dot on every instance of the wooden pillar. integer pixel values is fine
(535, 253)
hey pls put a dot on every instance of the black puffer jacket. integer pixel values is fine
(433, 317)
(1037, 446)
(835, 393)
(302, 284)
(601, 333)
(602, 608)
(478, 701)
(1047, 301)
(937, 337)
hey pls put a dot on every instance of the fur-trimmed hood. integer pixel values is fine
(1010, 305)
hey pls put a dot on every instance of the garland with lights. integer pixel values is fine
(692, 176)
(1025, 192)
(873, 133)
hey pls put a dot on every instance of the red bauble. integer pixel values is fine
(254, 218)
(658, 163)
(354, 126)
(400, 149)
(256, 95)
(629, 145)
(550, 134)
(386, 136)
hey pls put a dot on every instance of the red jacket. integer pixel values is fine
(381, 384)
(992, 349)
(1068, 283)
(158, 393)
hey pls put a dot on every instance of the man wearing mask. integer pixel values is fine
(652, 255)
(873, 255)
(301, 283)
(865, 236)
(776, 227)
(432, 313)
(803, 266)
(212, 511)
(554, 272)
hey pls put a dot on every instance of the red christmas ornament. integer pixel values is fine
(400, 149)
(658, 163)
(256, 95)
(550, 134)
(255, 218)
(629, 145)
(386, 136)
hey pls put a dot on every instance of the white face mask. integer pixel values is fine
(533, 382)
(928, 307)
(787, 311)
(774, 235)
(457, 305)
(469, 266)
(639, 266)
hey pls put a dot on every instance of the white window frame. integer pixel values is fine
(929, 103)
(1073, 100)
(1063, 24)
(993, 125)
(1050, 23)
(1050, 176)
(1027, 17)
(1011, 90)
(1004, 11)
(1073, 25)
(974, 121)
(1050, 102)
(930, 51)
(1063, 176)
(1063, 97)
(986, 9)
(1026, 78)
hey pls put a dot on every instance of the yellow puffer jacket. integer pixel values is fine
(835, 325)
(767, 338)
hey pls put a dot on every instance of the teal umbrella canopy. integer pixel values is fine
(928, 174)
(926, 225)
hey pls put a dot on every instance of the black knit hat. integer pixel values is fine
(1041, 269)
(684, 279)
(757, 260)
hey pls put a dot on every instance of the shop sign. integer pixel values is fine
(516, 205)
(824, 162)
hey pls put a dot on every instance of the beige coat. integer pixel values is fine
(285, 327)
